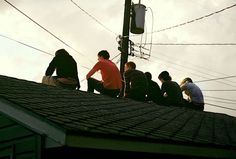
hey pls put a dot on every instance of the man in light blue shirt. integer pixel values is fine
(195, 97)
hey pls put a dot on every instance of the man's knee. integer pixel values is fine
(49, 80)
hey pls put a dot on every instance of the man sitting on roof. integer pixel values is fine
(66, 70)
(153, 90)
(171, 91)
(195, 97)
(135, 82)
(111, 78)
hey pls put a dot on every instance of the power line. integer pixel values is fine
(142, 45)
(219, 90)
(214, 79)
(207, 79)
(115, 56)
(234, 103)
(42, 27)
(196, 66)
(95, 19)
(194, 20)
(214, 105)
(32, 47)
(191, 72)
(232, 100)
(196, 44)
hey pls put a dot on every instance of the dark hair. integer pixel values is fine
(104, 54)
(188, 79)
(148, 75)
(61, 52)
(165, 76)
(131, 64)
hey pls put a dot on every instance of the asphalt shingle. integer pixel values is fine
(79, 111)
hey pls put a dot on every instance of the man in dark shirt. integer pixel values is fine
(66, 70)
(135, 82)
(153, 91)
(171, 91)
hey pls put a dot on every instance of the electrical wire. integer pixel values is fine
(192, 44)
(219, 90)
(197, 75)
(150, 49)
(214, 105)
(214, 79)
(95, 19)
(197, 68)
(191, 68)
(43, 27)
(220, 98)
(142, 45)
(234, 103)
(194, 20)
(194, 66)
(32, 47)
(196, 43)
(115, 56)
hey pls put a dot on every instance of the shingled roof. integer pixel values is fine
(81, 113)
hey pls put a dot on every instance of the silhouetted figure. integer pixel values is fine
(66, 71)
(111, 79)
(135, 82)
(195, 98)
(171, 91)
(153, 90)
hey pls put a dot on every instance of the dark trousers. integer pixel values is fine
(94, 84)
(195, 106)
(136, 95)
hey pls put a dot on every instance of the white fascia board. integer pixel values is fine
(54, 136)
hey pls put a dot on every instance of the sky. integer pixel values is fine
(86, 37)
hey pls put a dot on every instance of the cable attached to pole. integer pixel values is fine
(95, 19)
(214, 79)
(32, 47)
(42, 27)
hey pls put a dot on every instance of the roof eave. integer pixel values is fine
(54, 136)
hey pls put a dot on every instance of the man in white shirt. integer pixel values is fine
(195, 97)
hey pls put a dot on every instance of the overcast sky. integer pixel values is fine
(87, 37)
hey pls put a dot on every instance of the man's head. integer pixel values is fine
(186, 80)
(148, 76)
(61, 52)
(164, 76)
(130, 66)
(103, 54)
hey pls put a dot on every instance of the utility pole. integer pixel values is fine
(125, 36)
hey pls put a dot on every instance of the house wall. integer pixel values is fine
(17, 142)
(85, 153)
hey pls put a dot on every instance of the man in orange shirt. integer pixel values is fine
(111, 79)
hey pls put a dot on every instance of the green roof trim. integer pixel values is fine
(149, 147)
